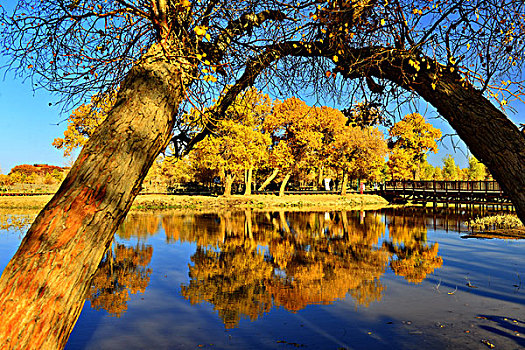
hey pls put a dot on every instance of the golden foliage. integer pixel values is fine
(122, 272)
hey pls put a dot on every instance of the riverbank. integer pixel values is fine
(143, 202)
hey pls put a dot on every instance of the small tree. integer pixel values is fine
(416, 137)
(476, 170)
(450, 170)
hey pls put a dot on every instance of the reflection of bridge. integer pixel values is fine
(487, 193)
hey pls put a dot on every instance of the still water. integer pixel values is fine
(389, 279)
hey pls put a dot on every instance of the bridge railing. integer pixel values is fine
(463, 186)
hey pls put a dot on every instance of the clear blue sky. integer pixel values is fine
(28, 126)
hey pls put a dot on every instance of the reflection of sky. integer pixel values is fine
(436, 312)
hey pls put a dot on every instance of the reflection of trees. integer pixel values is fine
(231, 279)
(248, 262)
(15, 221)
(303, 258)
(122, 272)
(139, 225)
(414, 258)
(415, 261)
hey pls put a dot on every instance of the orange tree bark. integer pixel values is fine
(42, 290)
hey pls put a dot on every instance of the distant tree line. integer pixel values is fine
(37, 174)
(263, 143)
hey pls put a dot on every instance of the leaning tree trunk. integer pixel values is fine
(491, 137)
(345, 184)
(43, 288)
(248, 189)
(269, 179)
(283, 184)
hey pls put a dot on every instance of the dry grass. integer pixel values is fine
(324, 202)
(24, 202)
(321, 202)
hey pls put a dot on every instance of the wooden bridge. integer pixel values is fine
(485, 193)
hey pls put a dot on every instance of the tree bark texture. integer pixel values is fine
(283, 184)
(43, 288)
(269, 179)
(490, 135)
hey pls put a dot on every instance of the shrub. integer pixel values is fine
(495, 222)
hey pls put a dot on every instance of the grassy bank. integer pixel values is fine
(325, 202)
(321, 202)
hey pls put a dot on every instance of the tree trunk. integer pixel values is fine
(248, 189)
(491, 137)
(345, 184)
(283, 184)
(269, 179)
(228, 184)
(320, 179)
(43, 288)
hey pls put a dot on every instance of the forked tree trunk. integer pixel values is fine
(269, 179)
(228, 184)
(283, 184)
(43, 288)
(248, 189)
(344, 185)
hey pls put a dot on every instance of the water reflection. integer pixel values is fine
(16, 221)
(247, 263)
(122, 272)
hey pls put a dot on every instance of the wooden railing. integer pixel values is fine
(466, 186)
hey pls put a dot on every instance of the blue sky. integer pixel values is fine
(28, 126)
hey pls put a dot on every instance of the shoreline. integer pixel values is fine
(155, 201)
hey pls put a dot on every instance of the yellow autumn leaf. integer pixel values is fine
(335, 58)
(209, 78)
(200, 30)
